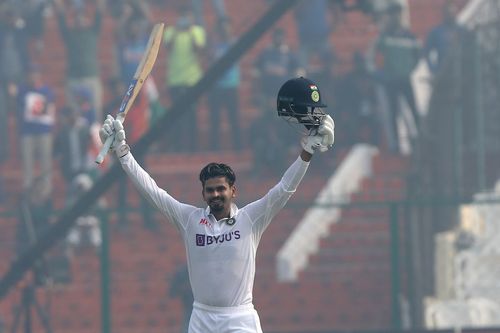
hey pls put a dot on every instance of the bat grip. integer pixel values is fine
(104, 149)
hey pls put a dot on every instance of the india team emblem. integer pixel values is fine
(315, 96)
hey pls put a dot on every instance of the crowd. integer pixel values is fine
(366, 100)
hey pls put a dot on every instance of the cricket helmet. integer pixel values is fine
(299, 101)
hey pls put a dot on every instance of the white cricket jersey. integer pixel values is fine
(221, 257)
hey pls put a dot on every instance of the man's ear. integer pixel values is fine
(234, 191)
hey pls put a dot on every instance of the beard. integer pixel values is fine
(216, 205)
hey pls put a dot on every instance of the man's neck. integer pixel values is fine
(221, 215)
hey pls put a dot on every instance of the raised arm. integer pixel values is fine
(175, 211)
(263, 210)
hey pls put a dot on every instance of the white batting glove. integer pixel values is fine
(320, 139)
(114, 127)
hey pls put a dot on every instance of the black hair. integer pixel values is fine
(213, 170)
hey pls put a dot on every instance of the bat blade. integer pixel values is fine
(141, 74)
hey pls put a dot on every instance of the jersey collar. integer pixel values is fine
(233, 211)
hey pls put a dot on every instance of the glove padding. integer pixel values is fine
(114, 127)
(321, 138)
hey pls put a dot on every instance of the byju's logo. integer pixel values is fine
(202, 240)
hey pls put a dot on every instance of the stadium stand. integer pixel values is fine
(345, 285)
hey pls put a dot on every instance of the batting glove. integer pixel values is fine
(114, 127)
(320, 139)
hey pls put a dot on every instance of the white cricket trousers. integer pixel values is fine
(211, 319)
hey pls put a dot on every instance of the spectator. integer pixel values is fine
(324, 70)
(81, 37)
(83, 104)
(356, 105)
(72, 144)
(117, 7)
(184, 43)
(274, 65)
(33, 12)
(132, 34)
(445, 37)
(14, 63)
(397, 52)
(224, 94)
(198, 11)
(36, 124)
(313, 29)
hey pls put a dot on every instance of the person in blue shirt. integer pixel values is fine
(36, 115)
(444, 39)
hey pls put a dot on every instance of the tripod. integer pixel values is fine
(28, 300)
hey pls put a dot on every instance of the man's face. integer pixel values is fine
(450, 12)
(218, 194)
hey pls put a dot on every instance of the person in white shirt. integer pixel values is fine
(221, 240)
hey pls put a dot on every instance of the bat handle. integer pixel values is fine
(104, 149)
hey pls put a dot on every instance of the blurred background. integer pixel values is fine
(397, 228)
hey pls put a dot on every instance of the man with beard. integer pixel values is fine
(221, 240)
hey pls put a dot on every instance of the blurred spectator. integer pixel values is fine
(116, 88)
(378, 10)
(224, 94)
(80, 29)
(445, 37)
(82, 97)
(356, 105)
(86, 233)
(184, 43)
(397, 52)
(36, 124)
(180, 287)
(313, 29)
(269, 138)
(323, 69)
(33, 12)
(14, 63)
(198, 11)
(131, 34)
(117, 7)
(273, 66)
(84, 107)
(72, 144)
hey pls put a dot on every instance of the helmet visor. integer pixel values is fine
(309, 116)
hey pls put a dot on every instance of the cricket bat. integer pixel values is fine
(140, 76)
